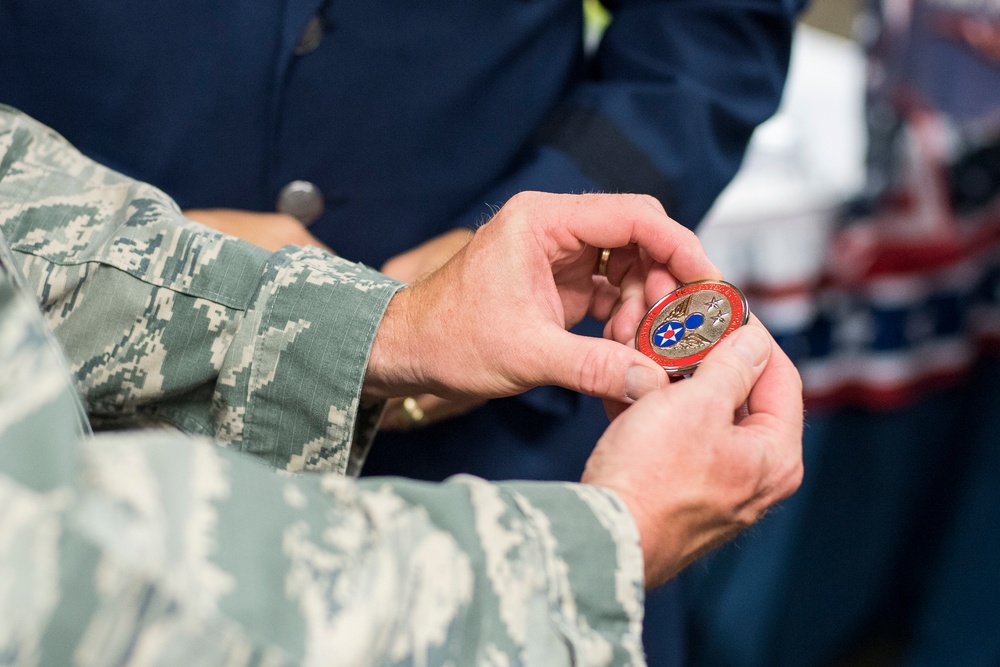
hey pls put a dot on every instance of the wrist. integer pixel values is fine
(660, 562)
(648, 539)
(390, 371)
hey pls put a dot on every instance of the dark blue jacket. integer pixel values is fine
(410, 116)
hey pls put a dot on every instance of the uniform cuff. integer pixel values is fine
(597, 601)
(308, 336)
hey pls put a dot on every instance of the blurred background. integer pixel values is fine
(864, 227)
(833, 16)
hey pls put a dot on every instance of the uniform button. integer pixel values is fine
(302, 200)
(311, 37)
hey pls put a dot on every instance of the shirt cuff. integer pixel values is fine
(298, 361)
(597, 601)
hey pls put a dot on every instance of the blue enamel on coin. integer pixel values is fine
(668, 334)
(694, 321)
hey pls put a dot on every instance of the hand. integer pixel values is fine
(492, 321)
(410, 266)
(692, 471)
(270, 231)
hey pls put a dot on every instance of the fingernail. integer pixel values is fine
(640, 380)
(753, 344)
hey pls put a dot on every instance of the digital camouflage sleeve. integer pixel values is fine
(156, 548)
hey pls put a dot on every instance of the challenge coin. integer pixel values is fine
(684, 325)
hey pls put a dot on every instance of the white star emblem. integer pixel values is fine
(669, 334)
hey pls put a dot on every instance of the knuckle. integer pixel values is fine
(792, 478)
(524, 198)
(653, 203)
(593, 374)
(686, 237)
(749, 516)
(744, 508)
(784, 478)
(798, 474)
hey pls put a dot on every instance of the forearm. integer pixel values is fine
(278, 376)
(151, 543)
(164, 321)
(463, 572)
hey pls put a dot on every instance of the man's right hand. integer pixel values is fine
(691, 469)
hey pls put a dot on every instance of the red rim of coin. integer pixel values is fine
(682, 365)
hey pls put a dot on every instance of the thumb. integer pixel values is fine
(735, 364)
(603, 368)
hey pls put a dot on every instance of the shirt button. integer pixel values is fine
(302, 200)
(311, 37)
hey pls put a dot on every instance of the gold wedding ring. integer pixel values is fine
(602, 262)
(414, 413)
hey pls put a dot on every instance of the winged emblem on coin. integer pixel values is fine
(677, 330)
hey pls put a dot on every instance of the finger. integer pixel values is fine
(599, 367)
(614, 408)
(437, 409)
(775, 405)
(626, 270)
(393, 417)
(603, 300)
(620, 329)
(659, 283)
(632, 306)
(613, 221)
(734, 365)
(627, 316)
(622, 262)
(778, 393)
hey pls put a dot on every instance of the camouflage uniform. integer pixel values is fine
(154, 547)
